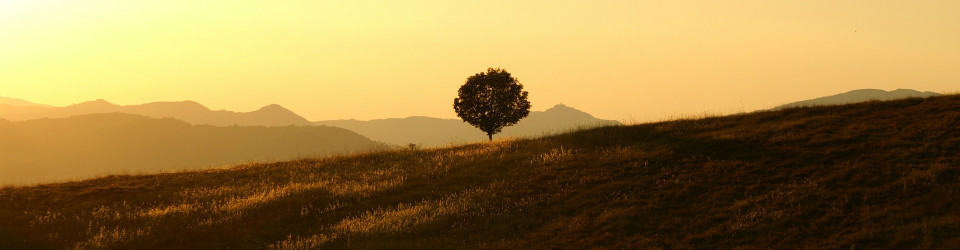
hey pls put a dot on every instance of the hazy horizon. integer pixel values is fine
(366, 124)
(620, 60)
(837, 98)
(236, 111)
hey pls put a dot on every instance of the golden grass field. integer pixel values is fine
(863, 176)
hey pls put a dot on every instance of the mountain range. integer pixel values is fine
(429, 132)
(420, 130)
(188, 111)
(85, 146)
(41, 143)
(860, 95)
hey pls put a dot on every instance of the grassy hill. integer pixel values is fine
(861, 176)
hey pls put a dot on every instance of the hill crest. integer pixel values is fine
(860, 95)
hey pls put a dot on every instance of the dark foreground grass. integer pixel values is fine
(864, 176)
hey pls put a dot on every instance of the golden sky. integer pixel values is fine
(626, 60)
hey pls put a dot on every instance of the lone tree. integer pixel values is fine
(491, 100)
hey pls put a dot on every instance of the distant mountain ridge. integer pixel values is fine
(860, 95)
(85, 146)
(18, 102)
(421, 130)
(188, 111)
(429, 131)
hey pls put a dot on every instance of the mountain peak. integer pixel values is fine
(559, 107)
(274, 108)
(867, 91)
(563, 108)
(94, 103)
(189, 102)
(193, 104)
(175, 107)
(278, 116)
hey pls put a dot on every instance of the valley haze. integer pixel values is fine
(44, 143)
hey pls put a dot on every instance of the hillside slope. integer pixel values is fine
(860, 95)
(94, 145)
(861, 176)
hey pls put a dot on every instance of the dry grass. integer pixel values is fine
(873, 175)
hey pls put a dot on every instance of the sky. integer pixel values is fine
(632, 61)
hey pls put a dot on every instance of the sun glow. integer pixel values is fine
(628, 60)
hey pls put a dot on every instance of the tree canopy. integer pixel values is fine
(491, 100)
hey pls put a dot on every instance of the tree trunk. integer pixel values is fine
(490, 136)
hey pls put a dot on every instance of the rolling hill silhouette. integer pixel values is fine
(99, 144)
(188, 111)
(17, 102)
(428, 131)
(860, 95)
(424, 131)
